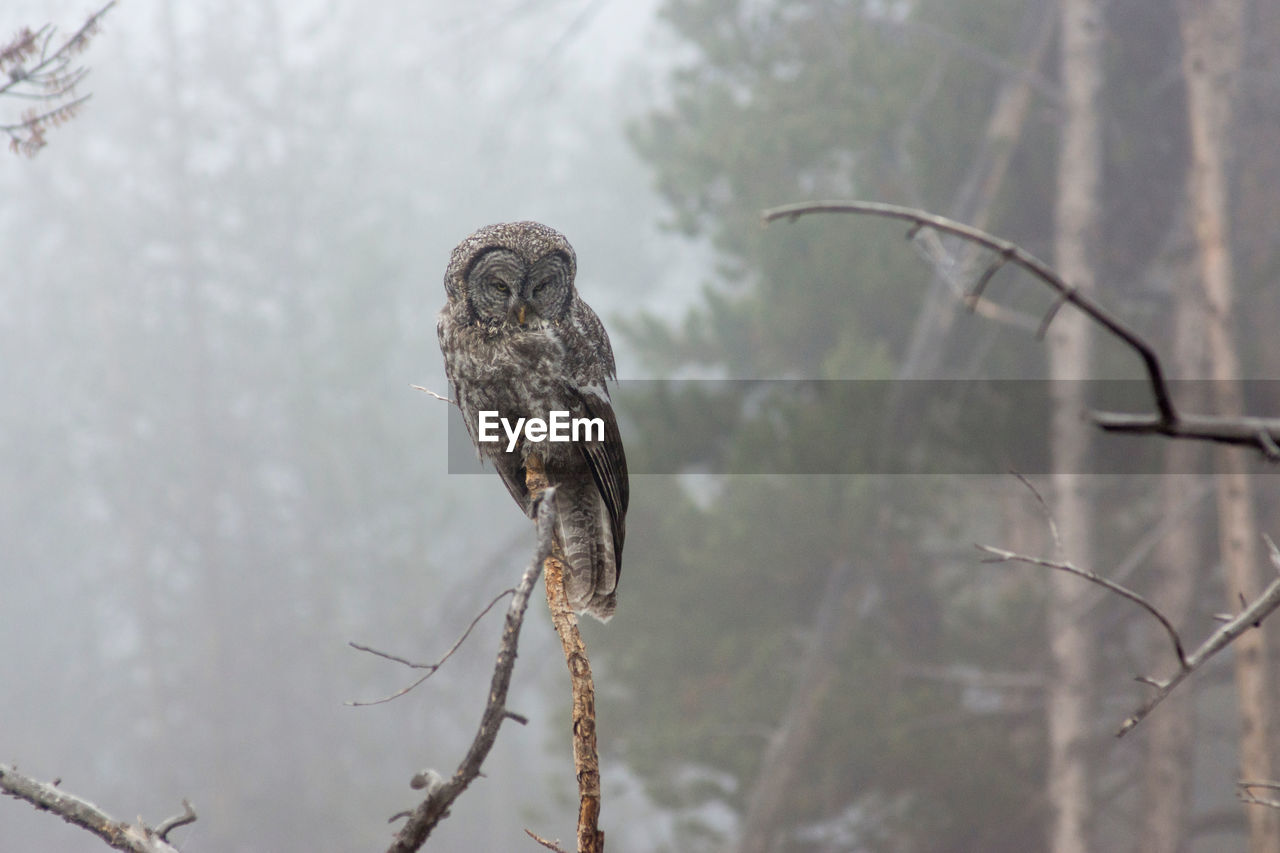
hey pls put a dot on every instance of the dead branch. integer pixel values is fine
(441, 794)
(1262, 434)
(33, 69)
(136, 837)
(168, 825)
(1000, 555)
(586, 761)
(1250, 617)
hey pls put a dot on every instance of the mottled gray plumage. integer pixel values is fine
(517, 339)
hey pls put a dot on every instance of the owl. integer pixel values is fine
(518, 341)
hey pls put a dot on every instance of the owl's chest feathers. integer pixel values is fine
(508, 352)
(517, 372)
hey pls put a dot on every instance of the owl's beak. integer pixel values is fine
(518, 312)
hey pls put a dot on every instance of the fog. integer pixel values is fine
(220, 281)
(219, 288)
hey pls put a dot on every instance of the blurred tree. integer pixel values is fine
(215, 348)
(1213, 36)
(215, 300)
(807, 634)
(807, 631)
(1077, 221)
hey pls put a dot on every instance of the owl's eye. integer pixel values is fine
(498, 285)
(541, 286)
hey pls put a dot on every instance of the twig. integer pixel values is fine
(423, 819)
(586, 761)
(1000, 555)
(431, 393)
(429, 667)
(57, 114)
(1263, 434)
(47, 73)
(1048, 513)
(1244, 790)
(1250, 617)
(170, 824)
(50, 78)
(119, 835)
(1142, 548)
(550, 845)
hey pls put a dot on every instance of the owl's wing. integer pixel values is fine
(512, 471)
(607, 461)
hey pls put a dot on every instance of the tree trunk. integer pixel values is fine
(1213, 42)
(1167, 748)
(1071, 643)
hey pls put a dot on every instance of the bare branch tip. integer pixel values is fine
(1272, 552)
(998, 555)
(430, 393)
(1268, 445)
(550, 845)
(170, 824)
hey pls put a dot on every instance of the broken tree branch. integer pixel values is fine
(1262, 434)
(586, 761)
(135, 837)
(423, 819)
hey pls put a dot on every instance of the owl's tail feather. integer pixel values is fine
(591, 573)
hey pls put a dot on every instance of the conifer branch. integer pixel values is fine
(32, 69)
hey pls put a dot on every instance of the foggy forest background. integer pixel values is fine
(220, 281)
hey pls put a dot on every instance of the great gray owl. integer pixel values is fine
(519, 341)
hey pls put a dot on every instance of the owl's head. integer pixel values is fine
(518, 273)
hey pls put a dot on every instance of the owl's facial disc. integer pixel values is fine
(549, 285)
(494, 283)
